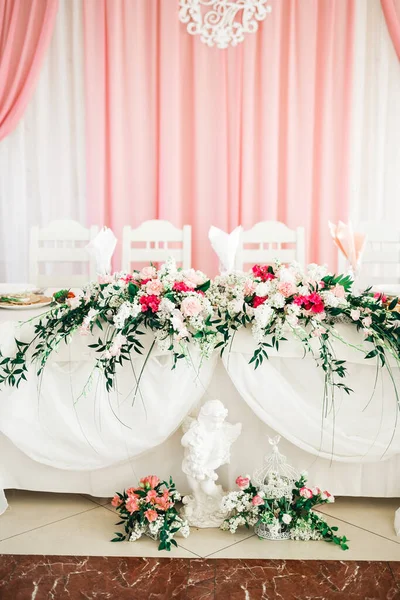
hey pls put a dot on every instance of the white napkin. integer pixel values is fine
(225, 245)
(102, 248)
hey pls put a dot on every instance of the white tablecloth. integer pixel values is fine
(55, 438)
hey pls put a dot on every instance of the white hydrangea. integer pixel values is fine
(277, 300)
(126, 310)
(263, 314)
(316, 272)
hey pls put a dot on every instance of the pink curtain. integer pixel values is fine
(198, 135)
(391, 10)
(25, 31)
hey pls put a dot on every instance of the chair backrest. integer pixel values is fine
(59, 248)
(381, 259)
(263, 244)
(155, 241)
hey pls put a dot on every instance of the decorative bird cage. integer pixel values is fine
(276, 480)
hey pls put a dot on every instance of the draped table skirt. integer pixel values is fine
(64, 433)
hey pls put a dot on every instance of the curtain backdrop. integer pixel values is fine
(25, 31)
(391, 9)
(375, 132)
(42, 162)
(197, 135)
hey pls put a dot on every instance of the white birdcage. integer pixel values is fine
(276, 480)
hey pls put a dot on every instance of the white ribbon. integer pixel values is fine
(101, 248)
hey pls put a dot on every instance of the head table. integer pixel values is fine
(60, 433)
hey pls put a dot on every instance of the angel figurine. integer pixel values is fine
(207, 441)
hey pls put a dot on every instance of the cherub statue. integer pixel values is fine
(207, 441)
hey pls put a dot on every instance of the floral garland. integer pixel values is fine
(149, 509)
(183, 307)
(281, 513)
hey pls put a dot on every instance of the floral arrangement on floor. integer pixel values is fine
(149, 509)
(183, 307)
(282, 512)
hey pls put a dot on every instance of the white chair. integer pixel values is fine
(155, 238)
(266, 239)
(54, 246)
(380, 262)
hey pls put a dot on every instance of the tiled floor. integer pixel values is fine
(73, 525)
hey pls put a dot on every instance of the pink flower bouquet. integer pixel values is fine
(149, 509)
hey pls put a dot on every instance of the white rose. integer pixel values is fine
(287, 519)
(262, 289)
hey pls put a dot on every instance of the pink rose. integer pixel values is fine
(257, 500)
(249, 287)
(154, 286)
(338, 291)
(367, 321)
(132, 504)
(148, 273)
(116, 501)
(194, 278)
(306, 493)
(243, 482)
(191, 306)
(327, 496)
(286, 288)
(149, 482)
(355, 314)
(316, 491)
(151, 496)
(151, 515)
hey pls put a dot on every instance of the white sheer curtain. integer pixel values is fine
(42, 163)
(375, 134)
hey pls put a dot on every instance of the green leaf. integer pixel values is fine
(204, 286)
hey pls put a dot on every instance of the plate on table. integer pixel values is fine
(24, 301)
(7, 289)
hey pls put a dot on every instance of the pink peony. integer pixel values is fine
(151, 302)
(149, 482)
(148, 273)
(154, 286)
(257, 500)
(286, 288)
(258, 300)
(116, 501)
(151, 515)
(243, 482)
(262, 272)
(306, 493)
(191, 306)
(132, 504)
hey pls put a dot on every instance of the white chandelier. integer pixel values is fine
(218, 22)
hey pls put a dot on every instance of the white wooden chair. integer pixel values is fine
(153, 241)
(59, 249)
(380, 262)
(263, 244)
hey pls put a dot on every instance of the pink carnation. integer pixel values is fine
(258, 300)
(257, 500)
(181, 286)
(243, 482)
(313, 302)
(380, 297)
(151, 302)
(191, 306)
(262, 272)
(306, 493)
